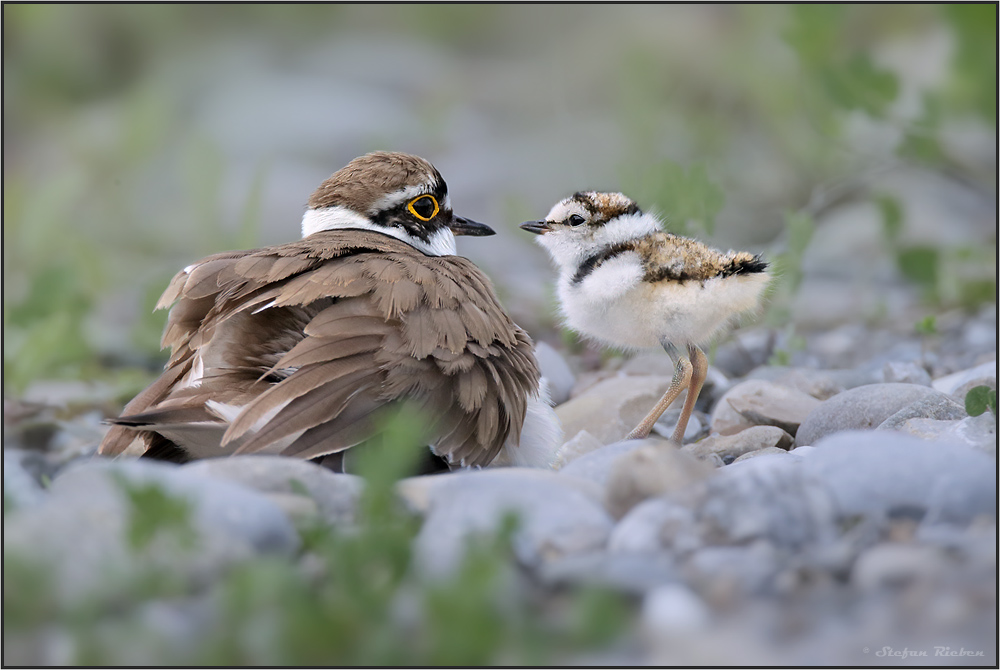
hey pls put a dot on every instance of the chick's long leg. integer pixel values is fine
(682, 379)
(699, 370)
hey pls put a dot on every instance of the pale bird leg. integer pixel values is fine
(699, 370)
(681, 380)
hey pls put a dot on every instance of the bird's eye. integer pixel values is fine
(575, 220)
(424, 207)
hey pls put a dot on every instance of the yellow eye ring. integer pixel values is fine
(413, 211)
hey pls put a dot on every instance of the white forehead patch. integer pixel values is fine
(565, 209)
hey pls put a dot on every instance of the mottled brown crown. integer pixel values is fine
(362, 182)
(604, 207)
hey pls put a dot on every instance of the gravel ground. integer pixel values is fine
(829, 514)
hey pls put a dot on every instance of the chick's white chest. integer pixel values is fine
(614, 305)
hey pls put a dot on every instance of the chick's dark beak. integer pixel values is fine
(536, 227)
(462, 226)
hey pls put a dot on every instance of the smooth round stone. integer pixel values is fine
(556, 371)
(631, 573)
(731, 447)
(873, 473)
(905, 372)
(81, 529)
(761, 452)
(673, 609)
(218, 507)
(981, 373)
(750, 568)
(978, 432)
(555, 520)
(769, 497)
(654, 525)
(860, 408)
(612, 407)
(419, 492)
(820, 384)
(894, 565)
(941, 408)
(763, 403)
(595, 465)
(651, 470)
(335, 495)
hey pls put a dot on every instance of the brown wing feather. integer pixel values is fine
(331, 328)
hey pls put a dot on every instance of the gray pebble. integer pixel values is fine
(731, 447)
(613, 407)
(555, 519)
(863, 407)
(419, 492)
(631, 573)
(760, 452)
(763, 403)
(877, 473)
(673, 609)
(978, 432)
(654, 525)
(820, 384)
(939, 407)
(895, 565)
(651, 470)
(905, 372)
(595, 465)
(81, 528)
(335, 495)
(750, 568)
(769, 497)
(950, 384)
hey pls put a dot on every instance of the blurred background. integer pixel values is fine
(855, 146)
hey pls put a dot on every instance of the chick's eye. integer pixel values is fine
(424, 207)
(575, 220)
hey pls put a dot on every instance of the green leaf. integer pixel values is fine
(975, 59)
(814, 31)
(892, 216)
(926, 325)
(859, 84)
(920, 264)
(979, 399)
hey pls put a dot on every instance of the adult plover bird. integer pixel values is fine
(626, 283)
(295, 349)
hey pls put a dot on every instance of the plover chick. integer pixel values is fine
(296, 348)
(626, 283)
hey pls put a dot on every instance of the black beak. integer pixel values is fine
(460, 226)
(536, 227)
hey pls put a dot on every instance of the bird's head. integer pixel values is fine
(393, 193)
(587, 222)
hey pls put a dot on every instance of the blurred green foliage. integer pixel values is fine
(352, 598)
(926, 326)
